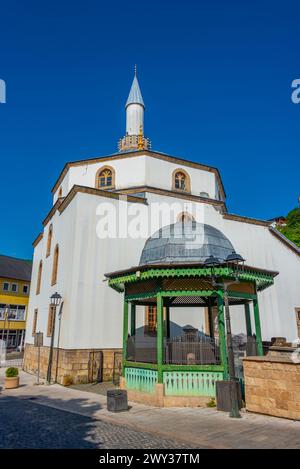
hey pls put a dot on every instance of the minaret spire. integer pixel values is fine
(135, 108)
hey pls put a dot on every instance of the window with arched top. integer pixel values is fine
(181, 181)
(105, 178)
(49, 240)
(184, 217)
(60, 192)
(39, 278)
(55, 265)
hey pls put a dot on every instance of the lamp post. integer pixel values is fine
(232, 260)
(55, 300)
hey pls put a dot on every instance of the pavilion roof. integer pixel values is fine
(262, 277)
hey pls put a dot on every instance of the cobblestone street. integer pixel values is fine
(45, 427)
(58, 417)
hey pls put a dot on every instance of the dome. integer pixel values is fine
(185, 242)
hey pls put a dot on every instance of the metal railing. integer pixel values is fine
(192, 351)
(141, 349)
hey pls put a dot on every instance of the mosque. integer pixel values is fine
(144, 297)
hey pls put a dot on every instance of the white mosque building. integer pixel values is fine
(72, 254)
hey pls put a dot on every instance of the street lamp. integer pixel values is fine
(233, 260)
(55, 300)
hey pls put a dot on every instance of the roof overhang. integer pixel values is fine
(119, 279)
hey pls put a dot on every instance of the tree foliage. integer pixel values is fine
(292, 228)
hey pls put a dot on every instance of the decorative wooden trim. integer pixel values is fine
(158, 155)
(49, 240)
(39, 278)
(187, 181)
(251, 221)
(63, 202)
(51, 313)
(34, 323)
(99, 192)
(113, 175)
(55, 265)
(52, 211)
(37, 239)
(262, 278)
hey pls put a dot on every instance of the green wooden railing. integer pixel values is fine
(139, 379)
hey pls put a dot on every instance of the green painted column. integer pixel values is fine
(125, 334)
(160, 335)
(260, 350)
(248, 320)
(132, 319)
(211, 321)
(222, 336)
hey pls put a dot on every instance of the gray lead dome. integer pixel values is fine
(185, 242)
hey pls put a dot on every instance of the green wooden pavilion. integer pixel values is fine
(168, 372)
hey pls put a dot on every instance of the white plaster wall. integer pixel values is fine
(63, 235)
(95, 310)
(92, 315)
(159, 174)
(140, 171)
(65, 185)
(262, 249)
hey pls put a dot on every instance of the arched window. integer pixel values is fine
(105, 178)
(55, 265)
(184, 217)
(60, 192)
(39, 278)
(49, 240)
(181, 180)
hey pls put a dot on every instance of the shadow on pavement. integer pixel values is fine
(29, 422)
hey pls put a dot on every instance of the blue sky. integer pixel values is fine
(215, 76)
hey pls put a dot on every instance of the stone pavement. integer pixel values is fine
(41, 426)
(198, 428)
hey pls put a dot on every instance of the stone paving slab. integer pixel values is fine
(201, 427)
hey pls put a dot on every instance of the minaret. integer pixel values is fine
(135, 108)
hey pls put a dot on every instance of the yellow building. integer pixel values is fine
(15, 277)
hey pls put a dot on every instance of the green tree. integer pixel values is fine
(292, 228)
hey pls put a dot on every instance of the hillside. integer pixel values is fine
(292, 228)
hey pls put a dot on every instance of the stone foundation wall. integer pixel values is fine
(272, 386)
(72, 366)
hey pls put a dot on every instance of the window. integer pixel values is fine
(185, 217)
(105, 178)
(25, 289)
(39, 278)
(60, 192)
(151, 319)
(181, 181)
(298, 321)
(34, 323)
(5, 286)
(50, 321)
(2, 311)
(14, 287)
(55, 265)
(49, 241)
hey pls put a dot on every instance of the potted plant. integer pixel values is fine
(12, 378)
